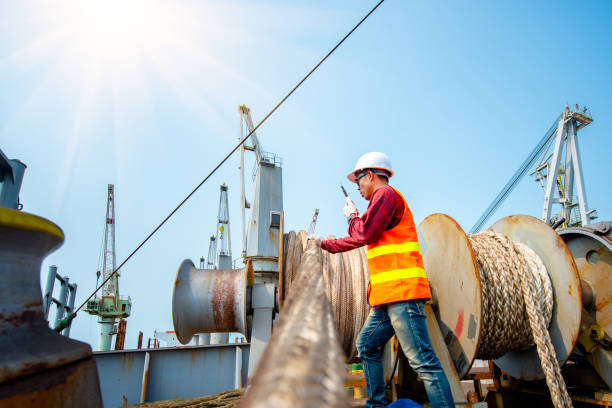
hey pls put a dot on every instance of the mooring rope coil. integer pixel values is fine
(346, 281)
(517, 305)
(303, 365)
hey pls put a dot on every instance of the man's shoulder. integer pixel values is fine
(387, 191)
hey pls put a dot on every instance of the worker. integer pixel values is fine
(398, 287)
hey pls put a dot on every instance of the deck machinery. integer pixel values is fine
(578, 259)
(240, 300)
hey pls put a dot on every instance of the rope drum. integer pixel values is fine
(504, 267)
(346, 281)
(517, 305)
(516, 292)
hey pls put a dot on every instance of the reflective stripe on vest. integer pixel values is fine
(393, 248)
(397, 274)
(396, 265)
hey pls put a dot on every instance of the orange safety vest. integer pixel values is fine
(396, 265)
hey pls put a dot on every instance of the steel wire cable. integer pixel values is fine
(72, 315)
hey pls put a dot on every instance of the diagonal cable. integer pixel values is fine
(67, 320)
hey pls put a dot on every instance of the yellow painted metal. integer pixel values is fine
(20, 220)
(587, 340)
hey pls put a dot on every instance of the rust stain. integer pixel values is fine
(193, 358)
(127, 362)
(223, 302)
(601, 305)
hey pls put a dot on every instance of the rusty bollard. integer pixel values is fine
(38, 367)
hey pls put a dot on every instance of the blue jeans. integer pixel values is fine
(407, 321)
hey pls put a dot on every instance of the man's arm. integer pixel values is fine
(368, 228)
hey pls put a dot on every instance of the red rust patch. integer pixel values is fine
(459, 326)
(224, 294)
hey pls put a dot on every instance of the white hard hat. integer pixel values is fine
(372, 160)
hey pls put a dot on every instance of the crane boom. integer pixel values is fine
(516, 177)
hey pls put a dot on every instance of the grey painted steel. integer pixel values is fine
(145, 377)
(551, 170)
(209, 301)
(72, 288)
(212, 250)
(262, 303)
(106, 329)
(591, 247)
(262, 237)
(62, 300)
(224, 262)
(37, 364)
(219, 338)
(224, 246)
(181, 372)
(11, 177)
(65, 302)
(551, 181)
(48, 295)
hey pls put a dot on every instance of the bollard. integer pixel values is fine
(38, 367)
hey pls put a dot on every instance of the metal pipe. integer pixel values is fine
(238, 369)
(106, 333)
(48, 295)
(70, 307)
(145, 377)
(61, 301)
(242, 190)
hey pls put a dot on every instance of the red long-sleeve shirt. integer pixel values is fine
(384, 212)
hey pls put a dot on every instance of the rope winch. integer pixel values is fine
(346, 281)
(517, 305)
(499, 292)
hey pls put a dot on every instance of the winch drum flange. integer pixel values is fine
(210, 300)
(454, 277)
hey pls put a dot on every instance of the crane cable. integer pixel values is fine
(66, 321)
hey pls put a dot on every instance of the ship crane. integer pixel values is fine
(109, 306)
(219, 248)
(551, 171)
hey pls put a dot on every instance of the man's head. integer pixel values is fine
(369, 180)
(372, 171)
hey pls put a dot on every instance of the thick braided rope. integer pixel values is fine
(346, 280)
(517, 305)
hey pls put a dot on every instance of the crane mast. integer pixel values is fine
(224, 249)
(111, 287)
(109, 306)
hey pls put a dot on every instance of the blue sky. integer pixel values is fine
(144, 95)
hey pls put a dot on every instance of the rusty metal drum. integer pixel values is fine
(591, 247)
(210, 300)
